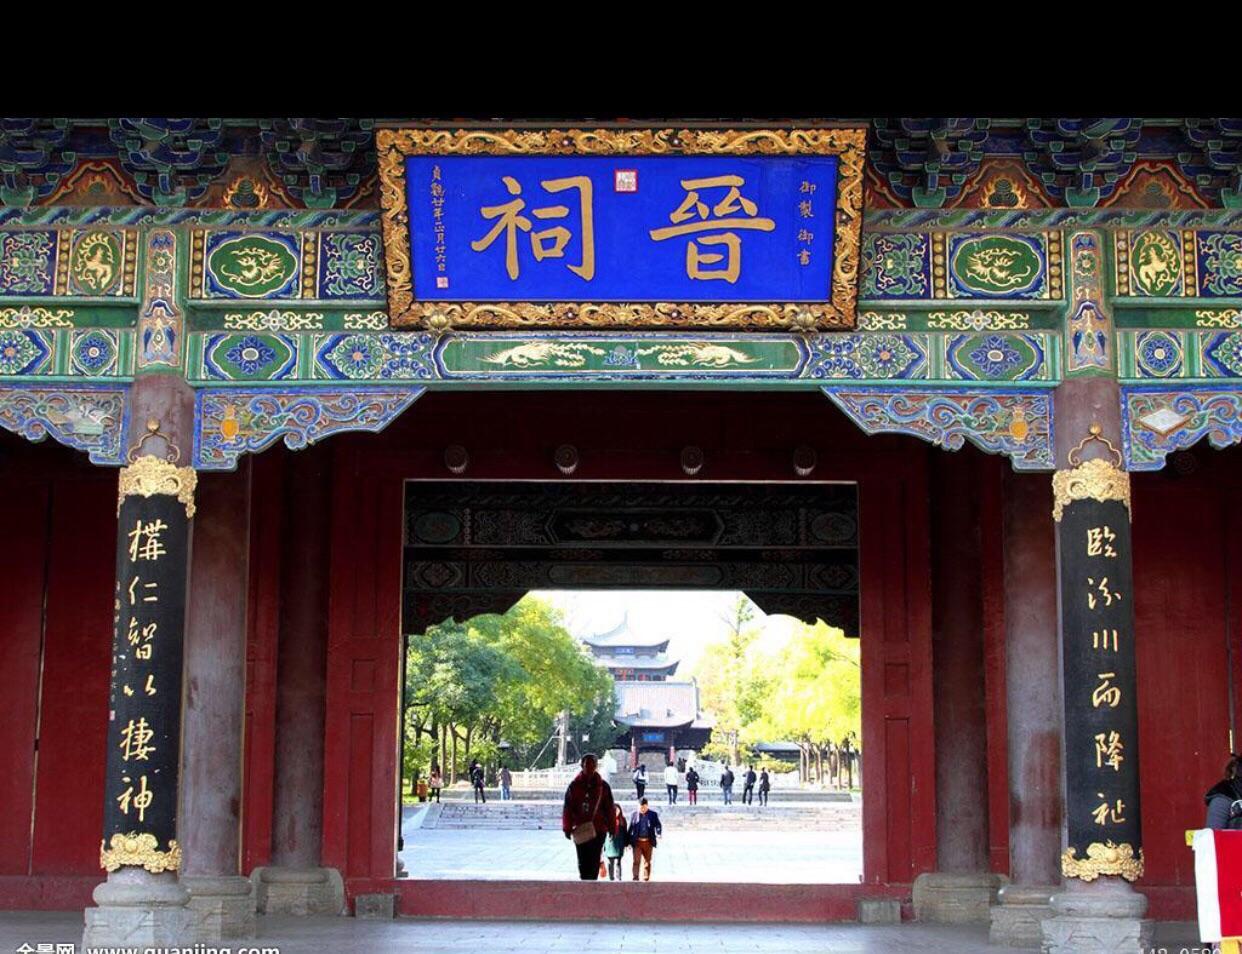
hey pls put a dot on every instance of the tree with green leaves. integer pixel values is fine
(499, 678)
(809, 694)
(807, 690)
(720, 675)
(559, 675)
(452, 680)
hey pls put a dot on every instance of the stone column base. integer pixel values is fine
(1098, 919)
(1018, 913)
(300, 891)
(138, 909)
(879, 911)
(221, 906)
(947, 898)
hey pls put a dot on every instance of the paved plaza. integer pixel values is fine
(796, 855)
(321, 935)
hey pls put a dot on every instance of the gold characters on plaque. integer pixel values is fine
(729, 215)
(545, 243)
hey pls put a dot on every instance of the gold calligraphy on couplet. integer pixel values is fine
(1108, 750)
(727, 217)
(144, 540)
(1106, 694)
(136, 741)
(139, 800)
(1109, 746)
(1100, 592)
(1100, 542)
(140, 637)
(1106, 814)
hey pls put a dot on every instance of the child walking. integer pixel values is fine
(615, 844)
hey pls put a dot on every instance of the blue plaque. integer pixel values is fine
(623, 227)
(575, 228)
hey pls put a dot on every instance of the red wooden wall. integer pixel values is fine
(899, 768)
(364, 657)
(1187, 557)
(57, 563)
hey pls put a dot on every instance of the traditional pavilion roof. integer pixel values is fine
(777, 748)
(658, 704)
(622, 635)
(657, 663)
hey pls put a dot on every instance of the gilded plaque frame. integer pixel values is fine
(835, 314)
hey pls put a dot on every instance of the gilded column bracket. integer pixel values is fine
(147, 475)
(1096, 479)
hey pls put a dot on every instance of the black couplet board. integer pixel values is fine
(144, 728)
(1101, 711)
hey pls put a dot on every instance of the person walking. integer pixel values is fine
(476, 780)
(645, 828)
(615, 844)
(435, 782)
(640, 780)
(670, 782)
(588, 816)
(506, 784)
(692, 786)
(726, 785)
(748, 788)
(765, 786)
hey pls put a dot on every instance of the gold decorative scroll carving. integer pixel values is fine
(1103, 859)
(140, 850)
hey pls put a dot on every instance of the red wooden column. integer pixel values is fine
(1033, 711)
(215, 657)
(962, 888)
(262, 632)
(297, 882)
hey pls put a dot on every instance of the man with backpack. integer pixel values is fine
(640, 780)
